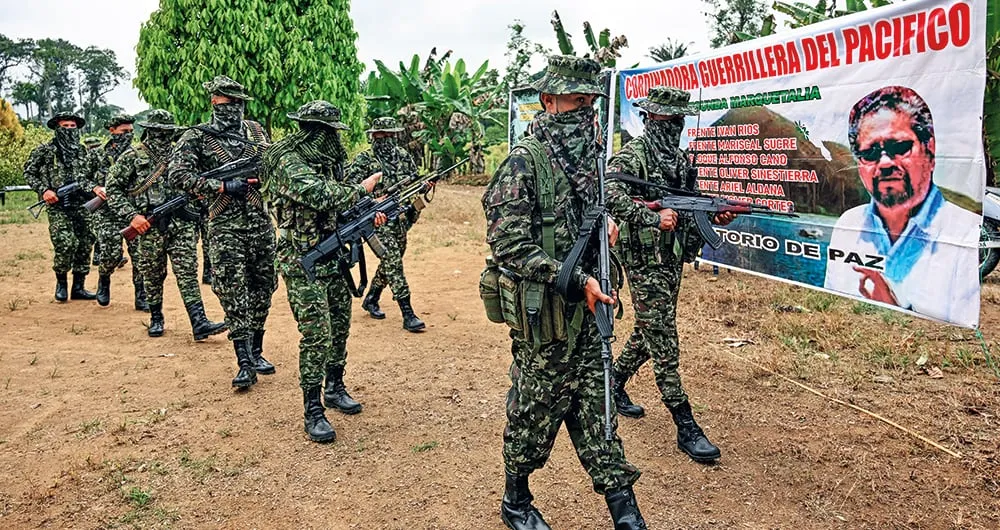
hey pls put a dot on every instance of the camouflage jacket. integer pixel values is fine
(137, 182)
(106, 158)
(304, 199)
(400, 168)
(514, 220)
(641, 241)
(197, 152)
(44, 171)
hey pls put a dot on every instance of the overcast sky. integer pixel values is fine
(391, 30)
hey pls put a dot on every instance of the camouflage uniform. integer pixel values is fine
(49, 167)
(108, 224)
(304, 189)
(654, 260)
(240, 231)
(396, 165)
(136, 185)
(557, 377)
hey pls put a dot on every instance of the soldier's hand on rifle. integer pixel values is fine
(99, 191)
(50, 197)
(369, 183)
(612, 232)
(234, 187)
(592, 292)
(139, 224)
(380, 219)
(724, 218)
(668, 220)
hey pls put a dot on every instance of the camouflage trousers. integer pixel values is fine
(72, 239)
(243, 277)
(202, 234)
(555, 386)
(178, 243)
(108, 227)
(654, 291)
(390, 267)
(322, 309)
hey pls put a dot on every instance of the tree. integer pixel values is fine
(25, 93)
(729, 17)
(50, 64)
(668, 51)
(285, 52)
(520, 51)
(13, 54)
(98, 73)
(603, 48)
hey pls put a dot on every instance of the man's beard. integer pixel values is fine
(893, 197)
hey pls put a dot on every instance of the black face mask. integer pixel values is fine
(228, 116)
(67, 140)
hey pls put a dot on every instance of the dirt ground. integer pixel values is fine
(102, 427)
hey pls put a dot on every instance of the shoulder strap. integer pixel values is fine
(545, 188)
(640, 152)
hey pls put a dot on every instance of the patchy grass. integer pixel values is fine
(424, 447)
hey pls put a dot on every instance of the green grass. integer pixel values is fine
(15, 212)
(424, 447)
(138, 497)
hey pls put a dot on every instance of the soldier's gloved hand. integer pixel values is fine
(369, 183)
(99, 191)
(724, 218)
(668, 220)
(592, 293)
(380, 219)
(235, 187)
(139, 224)
(50, 197)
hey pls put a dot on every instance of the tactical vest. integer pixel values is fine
(534, 311)
(647, 245)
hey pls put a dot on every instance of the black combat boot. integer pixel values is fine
(260, 364)
(317, 426)
(410, 320)
(624, 403)
(77, 292)
(140, 296)
(516, 510)
(624, 509)
(690, 438)
(104, 289)
(62, 291)
(201, 326)
(370, 303)
(336, 396)
(246, 377)
(155, 320)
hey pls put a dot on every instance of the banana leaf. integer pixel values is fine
(564, 39)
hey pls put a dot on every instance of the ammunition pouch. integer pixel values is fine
(534, 312)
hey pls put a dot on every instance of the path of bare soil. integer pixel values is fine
(101, 426)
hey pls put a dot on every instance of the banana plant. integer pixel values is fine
(603, 48)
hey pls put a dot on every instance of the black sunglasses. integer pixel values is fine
(892, 148)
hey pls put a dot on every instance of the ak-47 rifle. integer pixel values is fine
(63, 193)
(232, 170)
(699, 205)
(596, 222)
(357, 226)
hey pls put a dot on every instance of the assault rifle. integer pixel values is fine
(699, 205)
(63, 193)
(357, 226)
(8, 189)
(228, 171)
(596, 222)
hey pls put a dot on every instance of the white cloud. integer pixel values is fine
(390, 30)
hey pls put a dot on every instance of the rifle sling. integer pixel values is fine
(576, 253)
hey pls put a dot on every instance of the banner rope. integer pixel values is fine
(849, 405)
(986, 353)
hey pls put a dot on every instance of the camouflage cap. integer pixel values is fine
(566, 74)
(227, 87)
(667, 101)
(120, 119)
(319, 111)
(159, 119)
(53, 122)
(387, 124)
(92, 141)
